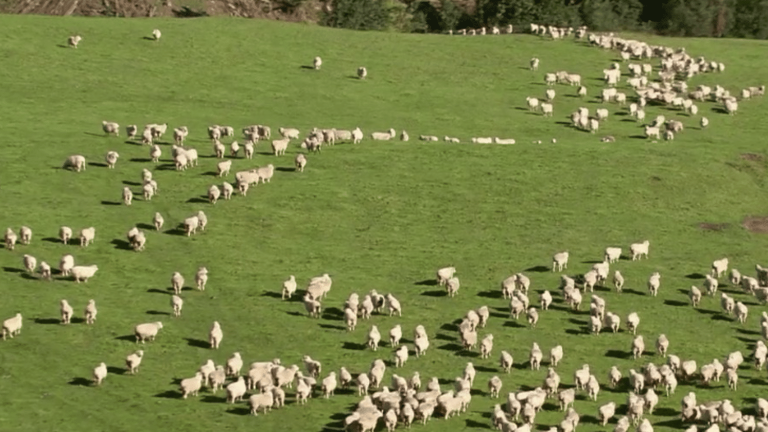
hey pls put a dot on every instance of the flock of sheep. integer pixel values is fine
(405, 400)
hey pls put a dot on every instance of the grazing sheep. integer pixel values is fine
(99, 373)
(215, 335)
(83, 273)
(177, 303)
(133, 361)
(75, 162)
(695, 295)
(156, 34)
(148, 331)
(612, 254)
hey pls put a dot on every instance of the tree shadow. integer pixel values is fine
(111, 203)
(624, 355)
(354, 346)
(428, 282)
(197, 343)
(695, 276)
(538, 269)
(155, 312)
(121, 244)
(489, 294)
(80, 381)
(436, 293)
(675, 303)
(47, 321)
(97, 164)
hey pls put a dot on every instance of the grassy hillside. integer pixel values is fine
(377, 215)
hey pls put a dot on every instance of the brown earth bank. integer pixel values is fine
(285, 10)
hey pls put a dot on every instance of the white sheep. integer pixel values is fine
(75, 162)
(393, 305)
(99, 373)
(362, 72)
(190, 225)
(133, 360)
(191, 386)
(226, 190)
(633, 322)
(638, 250)
(74, 40)
(90, 312)
(533, 103)
(213, 194)
(695, 295)
(156, 34)
(653, 284)
(110, 128)
(147, 331)
(662, 345)
(66, 312)
(83, 273)
(560, 261)
(289, 287)
(280, 146)
(177, 282)
(704, 122)
(179, 134)
(401, 356)
(65, 264)
(612, 254)
(373, 338)
(111, 159)
(177, 303)
(719, 267)
(265, 173)
(201, 278)
(12, 326)
(30, 263)
(638, 346)
(155, 152)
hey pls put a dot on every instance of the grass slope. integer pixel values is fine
(379, 216)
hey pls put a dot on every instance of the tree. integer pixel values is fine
(358, 15)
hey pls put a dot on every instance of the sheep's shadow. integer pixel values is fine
(198, 200)
(695, 276)
(624, 355)
(176, 232)
(80, 381)
(144, 226)
(210, 173)
(166, 167)
(306, 67)
(476, 424)
(155, 312)
(490, 294)
(111, 203)
(62, 46)
(427, 282)
(97, 164)
(121, 244)
(241, 411)
(675, 303)
(747, 332)
(169, 394)
(538, 269)
(285, 169)
(513, 324)
(95, 134)
(332, 314)
(52, 240)
(155, 290)
(148, 38)
(633, 292)
(642, 137)
(47, 321)
(436, 293)
(197, 343)
(141, 160)
(720, 317)
(332, 327)
(116, 370)
(354, 346)
(13, 270)
(453, 347)
(131, 183)
(129, 338)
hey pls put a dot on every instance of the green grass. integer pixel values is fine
(379, 216)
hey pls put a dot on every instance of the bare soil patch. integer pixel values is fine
(751, 156)
(756, 224)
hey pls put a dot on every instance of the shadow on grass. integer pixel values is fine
(241, 411)
(449, 327)
(720, 317)
(538, 269)
(294, 313)
(489, 294)
(633, 292)
(177, 232)
(591, 262)
(198, 200)
(143, 226)
(121, 244)
(272, 294)
(428, 282)
(80, 381)
(695, 276)
(707, 312)
(676, 423)
(486, 369)
(128, 338)
(675, 303)
(285, 169)
(47, 321)
(13, 270)
(52, 240)
(97, 164)
(514, 324)
(141, 160)
(665, 412)
(131, 183)
(453, 347)
(441, 336)
(210, 173)
(332, 327)
(111, 203)
(116, 370)
(214, 399)
(476, 424)
(747, 332)
(435, 293)
(197, 343)
(624, 355)
(155, 312)
(169, 394)
(354, 346)
(158, 291)
(166, 167)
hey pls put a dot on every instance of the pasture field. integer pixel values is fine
(378, 215)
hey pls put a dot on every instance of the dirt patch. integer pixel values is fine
(751, 156)
(713, 226)
(756, 224)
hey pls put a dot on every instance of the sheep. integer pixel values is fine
(215, 335)
(560, 261)
(533, 103)
(156, 34)
(638, 250)
(213, 194)
(727, 303)
(73, 41)
(494, 386)
(75, 162)
(533, 317)
(66, 312)
(30, 263)
(733, 378)
(155, 152)
(12, 326)
(741, 312)
(265, 173)
(482, 140)
(279, 146)
(99, 373)
(534, 64)
(90, 312)
(612, 254)
(234, 364)
(201, 278)
(227, 190)
(545, 299)
(393, 305)
(127, 196)
(45, 270)
(486, 346)
(148, 331)
(179, 134)
(711, 284)
(111, 159)
(191, 386)
(383, 136)
(110, 128)
(83, 273)
(362, 72)
(535, 356)
(401, 356)
(633, 322)
(653, 284)
(158, 130)
(190, 225)
(177, 303)
(236, 390)
(428, 138)
(133, 361)
(695, 295)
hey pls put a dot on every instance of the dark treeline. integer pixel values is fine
(697, 18)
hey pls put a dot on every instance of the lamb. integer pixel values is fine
(66, 312)
(653, 284)
(133, 361)
(733, 378)
(236, 390)
(83, 273)
(177, 303)
(30, 263)
(99, 373)
(73, 41)
(362, 72)
(90, 312)
(560, 261)
(191, 386)
(533, 317)
(215, 335)
(75, 162)
(156, 34)
(148, 331)
(639, 250)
